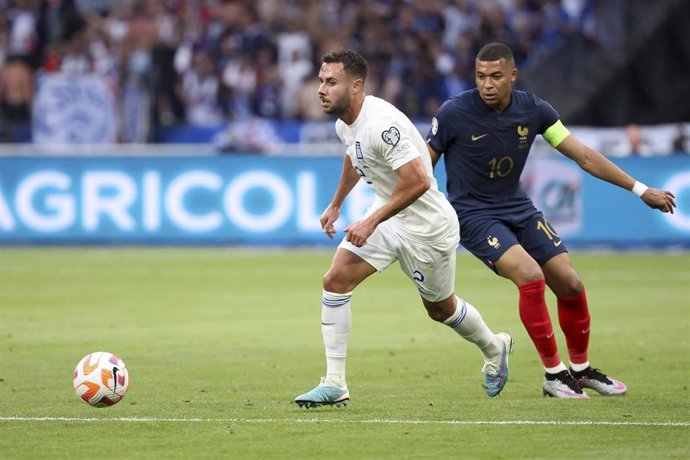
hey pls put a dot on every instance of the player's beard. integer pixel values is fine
(339, 107)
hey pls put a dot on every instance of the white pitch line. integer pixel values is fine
(340, 421)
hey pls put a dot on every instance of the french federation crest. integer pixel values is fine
(391, 136)
(523, 132)
(493, 242)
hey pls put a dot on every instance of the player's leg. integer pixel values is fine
(573, 314)
(431, 266)
(350, 266)
(347, 270)
(538, 242)
(467, 322)
(574, 319)
(465, 319)
(499, 246)
(519, 267)
(495, 244)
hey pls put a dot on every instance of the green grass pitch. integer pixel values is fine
(218, 341)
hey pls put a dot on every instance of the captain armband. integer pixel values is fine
(555, 134)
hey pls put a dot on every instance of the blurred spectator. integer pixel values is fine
(199, 91)
(308, 104)
(16, 97)
(141, 35)
(681, 141)
(85, 50)
(634, 143)
(294, 63)
(16, 90)
(252, 135)
(556, 23)
(4, 34)
(267, 103)
(168, 108)
(23, 35)
(239, 81)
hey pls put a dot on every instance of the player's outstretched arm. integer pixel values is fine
(601, 167)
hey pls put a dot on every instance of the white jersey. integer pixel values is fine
(381, 140)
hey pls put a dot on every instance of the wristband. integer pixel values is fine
(639, 188)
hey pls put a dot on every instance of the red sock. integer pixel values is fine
(535, 316)
(573, 317)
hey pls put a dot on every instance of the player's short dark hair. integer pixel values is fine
(353, 62)
(494, 52)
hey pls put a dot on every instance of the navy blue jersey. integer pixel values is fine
(485, 150)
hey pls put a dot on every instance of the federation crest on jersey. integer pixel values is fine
(358, 151)
(391, 136)
(523, 132)
(434, 126)
(359, 155)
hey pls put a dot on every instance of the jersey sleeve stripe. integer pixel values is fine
(555, 134)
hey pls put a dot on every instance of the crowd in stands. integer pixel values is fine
(205, 62)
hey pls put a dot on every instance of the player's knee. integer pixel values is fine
(571, 287)
(526, 274)
(438, 311)
(335, 282)
(437, 315)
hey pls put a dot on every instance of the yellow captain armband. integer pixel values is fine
(556, 133)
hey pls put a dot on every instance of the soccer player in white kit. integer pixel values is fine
(410, 221)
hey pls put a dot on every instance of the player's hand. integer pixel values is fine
(663, 200)
(328, 218)
(359, 232)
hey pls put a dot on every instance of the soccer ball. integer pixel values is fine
(101, 379)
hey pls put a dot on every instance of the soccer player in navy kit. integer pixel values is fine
(485, 135)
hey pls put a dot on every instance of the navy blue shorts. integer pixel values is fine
(489, 237)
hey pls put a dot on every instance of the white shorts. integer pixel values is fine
(430, 264)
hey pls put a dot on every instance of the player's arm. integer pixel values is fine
(601, 167)
(434, 155)
(348, 180)
(413, 183)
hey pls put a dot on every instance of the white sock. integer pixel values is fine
(579, 367)
(336, 324)
(467, 322)
(555, 370)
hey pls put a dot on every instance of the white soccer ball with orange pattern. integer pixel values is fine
(101, 379)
